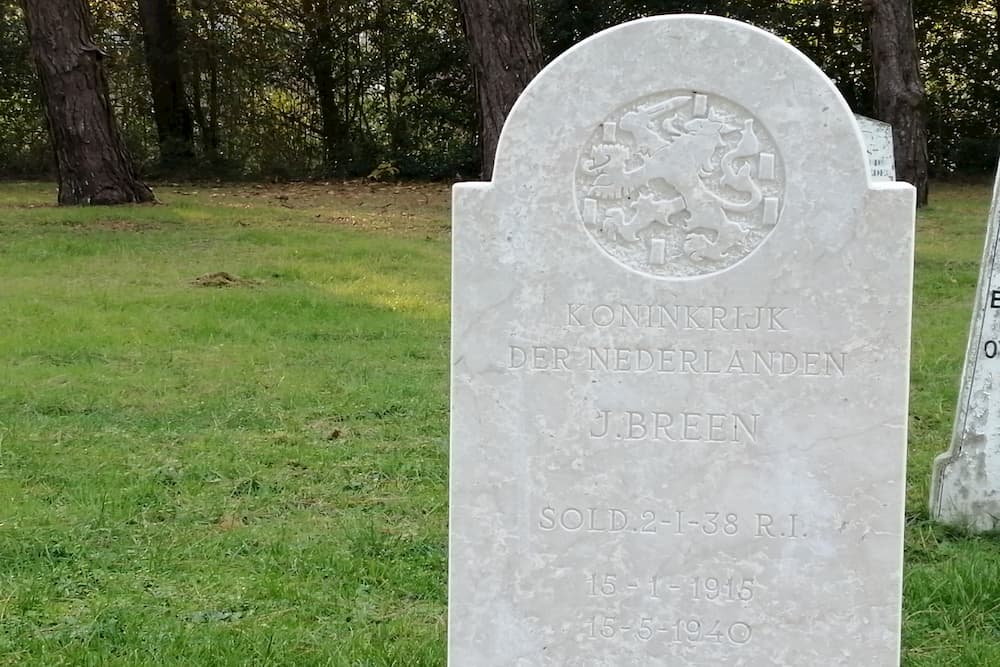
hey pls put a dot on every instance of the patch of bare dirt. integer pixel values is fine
(222, 279)
(329, 429)
(229, 522)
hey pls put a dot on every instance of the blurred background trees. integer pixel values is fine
(314, 88)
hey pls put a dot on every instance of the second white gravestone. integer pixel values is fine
(965, 487)
(879, 148)
(679, 372)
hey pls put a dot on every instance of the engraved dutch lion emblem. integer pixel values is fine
(680, 184)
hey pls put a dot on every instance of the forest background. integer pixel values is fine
(297, 89)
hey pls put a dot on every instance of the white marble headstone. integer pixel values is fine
(879, 149)
(679, 367)
(965, 487)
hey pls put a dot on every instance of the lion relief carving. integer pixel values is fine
(680, 185)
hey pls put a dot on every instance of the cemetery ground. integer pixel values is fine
(224, 421)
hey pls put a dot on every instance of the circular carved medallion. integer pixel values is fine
(680, 184)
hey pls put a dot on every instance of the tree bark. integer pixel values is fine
(205, 67)
(900, 99)
(321, 45)
(174, 123)
(93, 164)
(506, 55)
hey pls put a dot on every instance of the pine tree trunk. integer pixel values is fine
(899, 92)
(174, 124)
(506, 55)
(93, 165)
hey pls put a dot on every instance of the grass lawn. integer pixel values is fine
(250, 468)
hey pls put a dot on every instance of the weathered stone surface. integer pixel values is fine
(965, 487)
(879, 151)
(679, 367)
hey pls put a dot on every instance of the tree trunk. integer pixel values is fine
(205, 69)
(214, 101)
(320, 47)
(93, 165)
(174, 124)
(505, 55)
(899, 92)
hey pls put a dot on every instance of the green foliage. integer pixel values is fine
(398, 79)
(24, 147)
(831, 32)
(961, 51)
(960, 43)
(305, 88)
(384, 171)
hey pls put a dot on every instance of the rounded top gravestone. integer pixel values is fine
(680, 345)
(683, 133)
